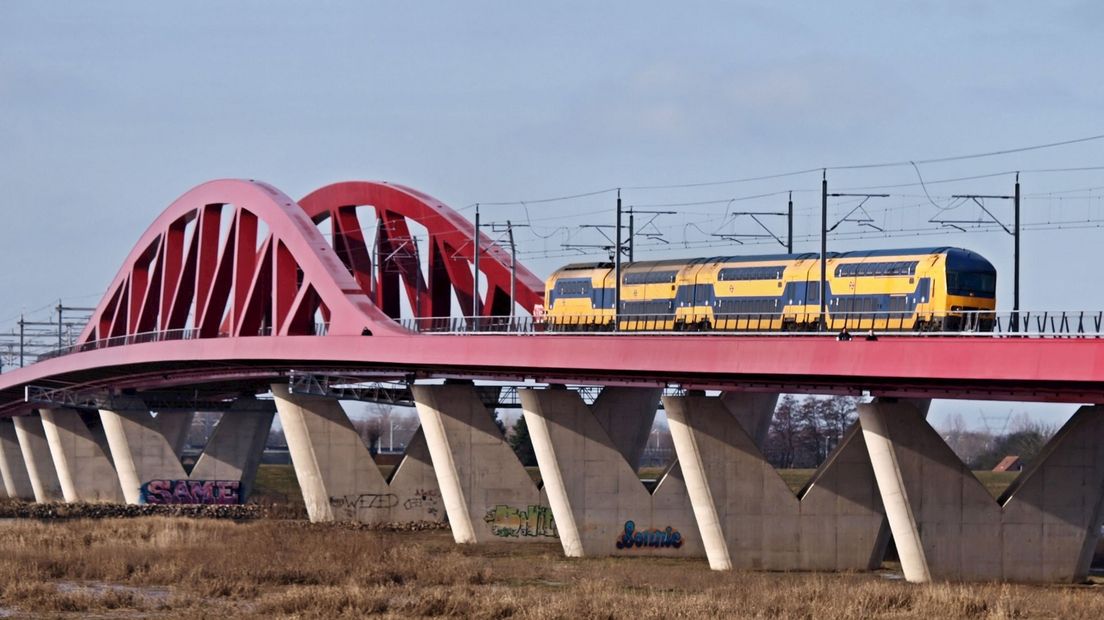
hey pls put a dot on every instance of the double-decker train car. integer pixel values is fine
(921, 289)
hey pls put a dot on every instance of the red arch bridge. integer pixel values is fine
(236, 290)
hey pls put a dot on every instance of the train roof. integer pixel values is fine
(957, 258)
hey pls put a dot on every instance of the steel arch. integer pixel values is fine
(450, 251)
(207, 267)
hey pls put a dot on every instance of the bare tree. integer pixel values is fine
(784, 434)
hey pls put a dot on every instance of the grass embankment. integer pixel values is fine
(276, 483)
(162, 567)
(994, 481)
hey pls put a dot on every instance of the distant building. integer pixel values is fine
(1010, 463)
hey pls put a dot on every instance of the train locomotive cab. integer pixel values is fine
(970, 286)
(579, 297)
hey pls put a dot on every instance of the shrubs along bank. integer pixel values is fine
(16, 509)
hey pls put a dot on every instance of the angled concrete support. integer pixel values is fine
(746, 514)
(233, 452)
(13, 470)
(339, 480)
(175, 426)
(36, 456)
(414, 483)
(487, 493)
(84, 471)
(946, 525)
(139, 449)
(599, 503)
(627, 416)
(754, 411)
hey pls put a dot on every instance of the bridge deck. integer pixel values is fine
(1025, 369)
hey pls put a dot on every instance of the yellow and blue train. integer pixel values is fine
(920, 289)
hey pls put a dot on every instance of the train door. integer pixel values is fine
(603, 305)
(697, 302)
(926, 281)
(631, 298)
(857, 294)
(812, 317)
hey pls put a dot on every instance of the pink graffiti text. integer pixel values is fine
(191, 492)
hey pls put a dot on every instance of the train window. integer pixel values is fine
(573, 288)
(657, 307)
(876, 269)
(971, 282)
(651, 277)
(751, 273)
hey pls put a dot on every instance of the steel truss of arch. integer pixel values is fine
(235, 258)
(448, 244)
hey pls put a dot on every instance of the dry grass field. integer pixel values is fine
(164, 567)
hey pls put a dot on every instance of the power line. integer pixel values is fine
(792, 173)
(541, 200)
(939, 160)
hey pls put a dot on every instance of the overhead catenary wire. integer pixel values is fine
(809, 170)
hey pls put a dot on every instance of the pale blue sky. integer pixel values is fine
(108, 111)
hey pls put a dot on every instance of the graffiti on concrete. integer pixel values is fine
(191, 492)
(351, 506)
(510, 522)
(633, 537)
(424, 499)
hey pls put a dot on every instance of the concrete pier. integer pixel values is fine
(945, 523)
(84, 470)
(233, 452)
(746, 514)
(486, 492)
(339, 479)
(594, 490)
(36, 456)
(13, 470)
(139, 449)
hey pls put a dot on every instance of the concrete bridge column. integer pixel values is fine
(233, 452)
(746, 514)
(139, 449)
(600, 506)
(487, 494)
(13, 470)
(340, 482)
(84, 471)
(36, 456)
(945, 523)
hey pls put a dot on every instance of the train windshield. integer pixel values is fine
(975, 283)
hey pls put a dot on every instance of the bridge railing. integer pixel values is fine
(1025, 323)
(1022, 324)
(320, 329)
